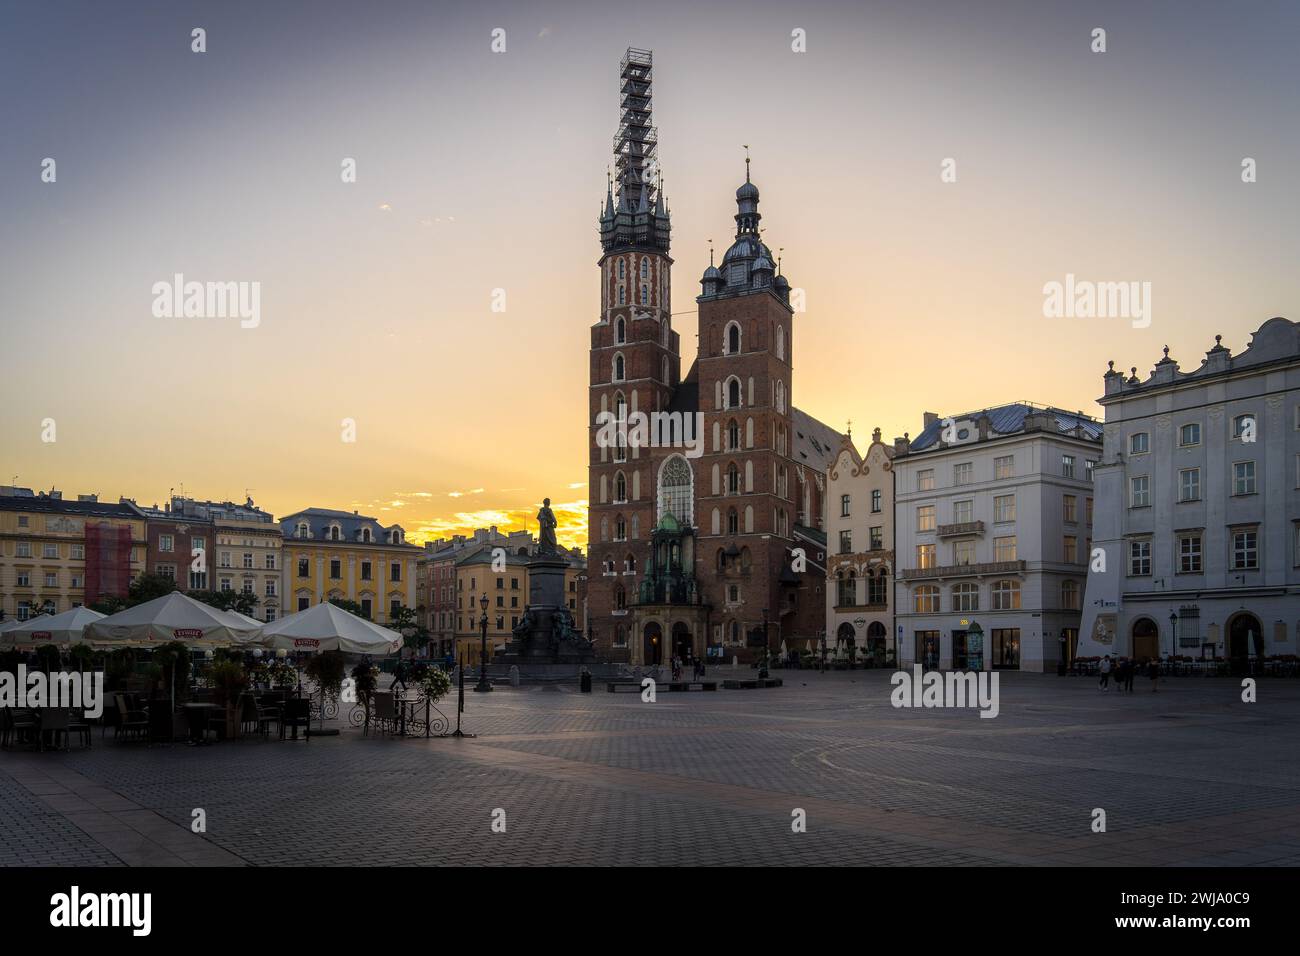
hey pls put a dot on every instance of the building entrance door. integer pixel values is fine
(959, 650)
(1244, 636)
(652, 652)
(682, 646)
(1146, 639)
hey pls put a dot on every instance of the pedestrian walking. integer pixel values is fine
(1153, 671)
(1104, 669)
(1130, 670)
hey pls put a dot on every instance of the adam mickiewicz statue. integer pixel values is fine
(546, 529)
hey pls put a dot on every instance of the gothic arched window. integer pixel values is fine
(618, 367)
(677, 490)
(733, 393)
(620, 487)
(733, 339)
(645, 267)
(620, 331)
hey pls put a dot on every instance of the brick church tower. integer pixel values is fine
(689, 549)
(634, 359)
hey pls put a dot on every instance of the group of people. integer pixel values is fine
(697, 665)
(1125, 670)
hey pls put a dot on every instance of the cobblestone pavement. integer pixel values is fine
(1189, 775)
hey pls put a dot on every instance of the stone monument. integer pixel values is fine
(547, 642)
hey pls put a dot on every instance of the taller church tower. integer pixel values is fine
(635, 362)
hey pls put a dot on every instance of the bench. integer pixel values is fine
(693, 685)
(616, 685)
(752, 684)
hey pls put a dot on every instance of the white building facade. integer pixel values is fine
(1198, 507)
(860, 552)
(993, 514)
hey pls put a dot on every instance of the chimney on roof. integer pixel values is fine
(929, 418)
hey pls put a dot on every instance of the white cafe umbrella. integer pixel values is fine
(172, 617)
(8, 624)
(327, 627)
(65, 628)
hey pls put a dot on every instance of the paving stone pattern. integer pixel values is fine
(1187, 776)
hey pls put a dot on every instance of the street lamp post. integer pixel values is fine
(483, 684)
(1173, 632)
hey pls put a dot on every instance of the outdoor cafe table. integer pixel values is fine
(407, 709)
(197, 714)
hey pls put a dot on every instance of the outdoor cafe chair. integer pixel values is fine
(296, 713)
(134, 722)
(16, 724)
(54, 721)
(385, 712)
(254, 717)
(78, 724)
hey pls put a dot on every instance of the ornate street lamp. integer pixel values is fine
(483, 684)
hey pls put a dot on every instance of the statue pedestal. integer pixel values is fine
(543, 648)
(546, 582)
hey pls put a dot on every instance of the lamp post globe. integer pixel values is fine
(483, 685)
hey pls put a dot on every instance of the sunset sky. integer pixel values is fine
(478, 171)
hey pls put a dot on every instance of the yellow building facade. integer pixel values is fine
(329, 555)
(57, 553)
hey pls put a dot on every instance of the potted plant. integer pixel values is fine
(82, 656)
(436, 682)
(48, 657)
(228, 680)
(283, 675)
(327, 670)
(365, 677)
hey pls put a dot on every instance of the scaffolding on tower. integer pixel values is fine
(637, 137)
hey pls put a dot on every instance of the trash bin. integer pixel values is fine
(584, 681)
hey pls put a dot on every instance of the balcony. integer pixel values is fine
(988, 569)
(959, 529)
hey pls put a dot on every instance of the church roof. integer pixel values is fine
(815, 443)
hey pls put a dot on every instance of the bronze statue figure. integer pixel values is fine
(546, 525)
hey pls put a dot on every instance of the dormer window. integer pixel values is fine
(365, 535)
(302, 529)
(334, 534)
